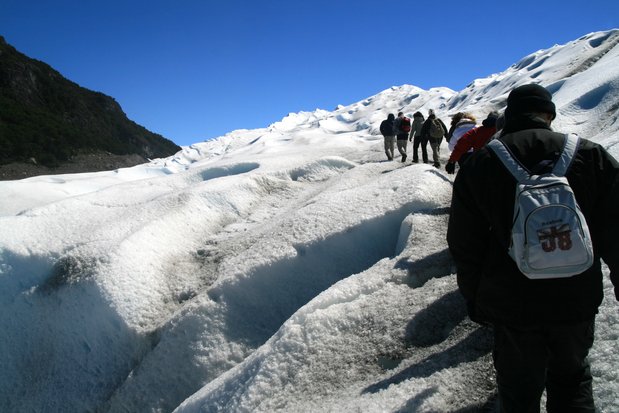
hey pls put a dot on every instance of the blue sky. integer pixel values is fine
(193, 70)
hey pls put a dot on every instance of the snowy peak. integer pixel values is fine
(581, 75)
(582, 54)
(569, 71)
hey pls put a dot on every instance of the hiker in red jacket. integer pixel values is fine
(471, 141)
(402, 126)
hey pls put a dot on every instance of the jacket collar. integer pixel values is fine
(522, 122)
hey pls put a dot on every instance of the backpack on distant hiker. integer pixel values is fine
(405, 124)
(436, 129)
(549, 236)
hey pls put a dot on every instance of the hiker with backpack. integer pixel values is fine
(434, 130)
(537, 279)
(387, 129)
(461, 123)
(417, 139)
(471, 141)
(402, 127)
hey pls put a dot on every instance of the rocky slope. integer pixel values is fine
(49, 121)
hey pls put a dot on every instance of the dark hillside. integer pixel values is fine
(48, 120)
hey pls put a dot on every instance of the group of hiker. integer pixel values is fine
(421, 132)
(535, 278)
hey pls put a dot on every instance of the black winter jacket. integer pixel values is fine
(387, 127)
(480, 223)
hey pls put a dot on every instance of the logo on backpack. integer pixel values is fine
(405, 124)
(436, 129)
(554, 236)
(549, 236)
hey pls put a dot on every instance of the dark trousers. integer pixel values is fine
(417, 142)
(402, 140)
(554, 358)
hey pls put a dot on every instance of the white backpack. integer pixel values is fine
(550, 237)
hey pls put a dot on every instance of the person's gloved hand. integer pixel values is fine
(450, 167)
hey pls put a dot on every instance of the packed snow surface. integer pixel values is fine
(290, 268)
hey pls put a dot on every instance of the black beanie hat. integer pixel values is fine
(530, 98)
(491, 119)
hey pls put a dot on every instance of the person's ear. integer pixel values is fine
(549, 118)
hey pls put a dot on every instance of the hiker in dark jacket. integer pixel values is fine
(435, 142)
(417, 140)
(387, 129)
(543, 328)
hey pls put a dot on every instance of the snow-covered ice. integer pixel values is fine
(290, 268)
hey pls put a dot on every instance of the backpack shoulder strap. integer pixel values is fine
(570, 147)
(567, 156)
(510, 162)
